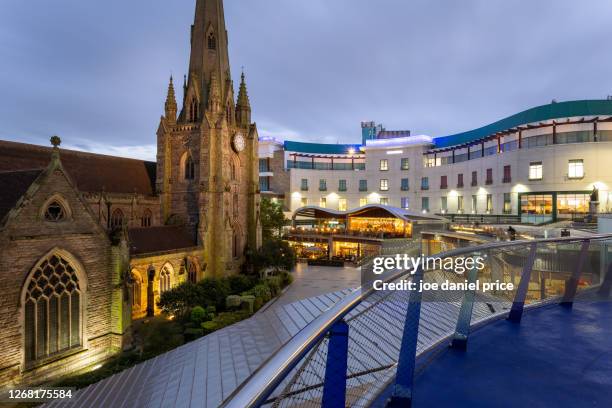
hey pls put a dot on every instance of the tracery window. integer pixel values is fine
(55, 212)
(53, 309)
(164, 279)
(116, 218)
(147, 216)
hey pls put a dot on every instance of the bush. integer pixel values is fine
(207, 293)
(240, 283)
(198, 314)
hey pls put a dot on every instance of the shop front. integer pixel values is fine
(541, 208)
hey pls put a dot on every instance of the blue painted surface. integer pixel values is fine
(556, 357)
(320, 148)
(334, 388)
(537, 114)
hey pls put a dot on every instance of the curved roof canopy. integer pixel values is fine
(370, 210)
(321, 148)
(538, 114)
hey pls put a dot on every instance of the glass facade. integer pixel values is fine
(536, 208)
(568, 204)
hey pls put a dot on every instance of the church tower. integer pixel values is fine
(207, 172)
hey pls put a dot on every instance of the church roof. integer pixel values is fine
(13, 185)
(160, 239)
(91, 172)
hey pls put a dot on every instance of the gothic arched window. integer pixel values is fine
(136, 292)
(189, 168)
(52, 309)
(147, 216)
(194, 114)
(164, 279)
(117, 217)
(212, 42)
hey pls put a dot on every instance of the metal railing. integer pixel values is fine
(370, 340)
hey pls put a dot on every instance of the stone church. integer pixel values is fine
(89, 242)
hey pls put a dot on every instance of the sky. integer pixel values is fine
(96, 72)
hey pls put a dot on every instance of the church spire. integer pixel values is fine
(171, 103)
(243, 105)
(209, 53)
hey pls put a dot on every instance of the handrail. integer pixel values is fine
(259, 386)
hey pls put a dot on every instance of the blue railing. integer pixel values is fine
(371, 341)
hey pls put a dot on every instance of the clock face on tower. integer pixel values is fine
(238, 142)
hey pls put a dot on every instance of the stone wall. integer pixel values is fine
(25, 239)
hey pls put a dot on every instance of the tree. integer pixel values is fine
(276, 254)
(272, 219)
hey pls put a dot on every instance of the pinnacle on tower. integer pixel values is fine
(243, 106)
(171, 106)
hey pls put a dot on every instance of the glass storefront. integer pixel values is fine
(536, 208)
(374, 226)
(568, 204)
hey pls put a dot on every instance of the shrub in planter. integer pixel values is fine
(197, 315)
(233, 302)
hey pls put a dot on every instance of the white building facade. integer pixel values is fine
(544, 164)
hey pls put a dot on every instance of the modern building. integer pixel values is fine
(88, 242)
(544, 164)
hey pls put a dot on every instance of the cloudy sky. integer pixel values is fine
(96, 72)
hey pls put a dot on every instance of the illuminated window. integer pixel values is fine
(384, 165)
(323, 202)
(575, 169)
(342, 204)
(507, 203)
(443, 203)
(304, 202)
(474, 204)
(405, 202)
(535, 171)
(384, 201)
(405, 164)
(384, 185)
(460, 204)
(363, 201)
(489, 203)
(164, 279)
(52, 309)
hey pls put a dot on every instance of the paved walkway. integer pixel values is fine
(311, 281)
(555, 358)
